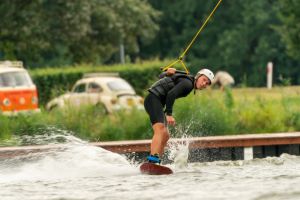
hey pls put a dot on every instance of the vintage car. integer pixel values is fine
(103, 90)
(18, 94)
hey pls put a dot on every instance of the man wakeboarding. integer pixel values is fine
(172, 85)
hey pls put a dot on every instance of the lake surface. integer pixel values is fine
(80, 171)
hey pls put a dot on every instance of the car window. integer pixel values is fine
(80, 88)
(13, 79)
(94, 88)
(119, 85)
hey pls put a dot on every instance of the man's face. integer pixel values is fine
(202, 82)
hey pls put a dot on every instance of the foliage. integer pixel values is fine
(240, 38)
(204, 114)
(289, 14)
(49, 33)
(84, 122)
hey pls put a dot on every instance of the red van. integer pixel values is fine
(17, 91)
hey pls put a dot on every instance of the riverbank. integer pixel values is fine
(210, 112)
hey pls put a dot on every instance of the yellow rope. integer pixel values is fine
(170, 65)
(180, 59)
(184, 66)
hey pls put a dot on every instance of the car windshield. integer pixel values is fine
(14, 79)
(119, 85)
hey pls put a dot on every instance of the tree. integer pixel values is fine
(115, 22)
(59, 32)
(240, 38)
(289, 14)
(21, 30)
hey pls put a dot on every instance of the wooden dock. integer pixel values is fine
(235, 147)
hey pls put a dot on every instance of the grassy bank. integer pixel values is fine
(209, 112)
(241, 111)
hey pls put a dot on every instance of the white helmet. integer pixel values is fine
(209, 74)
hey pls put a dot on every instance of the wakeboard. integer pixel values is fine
(154, 169)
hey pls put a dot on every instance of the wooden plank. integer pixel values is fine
(125, 146)
(8, 152)
(212, 142)
(209, 142)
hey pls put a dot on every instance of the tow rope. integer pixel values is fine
(181, 57)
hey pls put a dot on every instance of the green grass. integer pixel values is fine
(209, 112)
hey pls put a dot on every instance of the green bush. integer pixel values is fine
(87, 123)
(260, 116)
(292, 119)
(204, 115)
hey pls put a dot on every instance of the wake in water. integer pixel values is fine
(77, 170)
(72, 159)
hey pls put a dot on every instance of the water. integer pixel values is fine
(79, 171)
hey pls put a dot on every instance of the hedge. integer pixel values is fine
(52, 82)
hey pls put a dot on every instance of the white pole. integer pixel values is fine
(122, 53)
(248, 153)
(269, 75)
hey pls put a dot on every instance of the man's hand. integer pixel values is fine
(171, 71)
(171, 120)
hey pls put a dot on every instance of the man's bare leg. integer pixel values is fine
(160, 138)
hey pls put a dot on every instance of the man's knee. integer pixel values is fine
(160, 128)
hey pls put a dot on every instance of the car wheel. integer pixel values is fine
(100, 109)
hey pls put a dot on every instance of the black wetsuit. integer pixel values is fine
(163, 94)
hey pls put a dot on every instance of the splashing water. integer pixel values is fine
(83, 172)
(75, 158)
(179, 152)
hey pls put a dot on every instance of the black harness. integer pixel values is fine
(161, 87)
